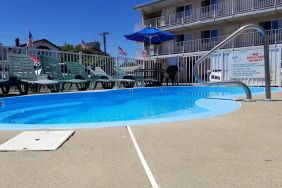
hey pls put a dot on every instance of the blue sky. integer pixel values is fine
(70, 21)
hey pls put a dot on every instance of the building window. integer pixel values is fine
(179, 9)
(205, 3)
(271, 25)
(276, 24)
(179, 38)
(205, 34)
(188, 10)
(266, 25)
(188, 36)
(184, 37)
(213, 33)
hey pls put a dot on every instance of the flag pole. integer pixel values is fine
(117, 55)
(81, 46)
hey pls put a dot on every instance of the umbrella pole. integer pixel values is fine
(150, 37)
(178, 72)
(150, 49)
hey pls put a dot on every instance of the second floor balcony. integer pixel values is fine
(198, 45)
(224, 10)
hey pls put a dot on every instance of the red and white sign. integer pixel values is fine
(247, 64)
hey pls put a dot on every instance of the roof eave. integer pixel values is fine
(139, 7)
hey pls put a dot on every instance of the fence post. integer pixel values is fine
(80, 57)
(280, 67)
(275, 37)
(158, 46)
(232, 7)
(157, 20)
(214, 11)
(253, 34)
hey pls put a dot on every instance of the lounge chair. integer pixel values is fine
(51, 67)
(140, 80)
(127, 83)
(75, 68)
(21, 72)
(5, 86)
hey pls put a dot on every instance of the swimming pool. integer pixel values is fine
(117, 107)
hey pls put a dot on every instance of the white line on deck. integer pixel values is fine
(143, 161)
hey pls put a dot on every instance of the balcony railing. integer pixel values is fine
(244, 40)
(229, 8)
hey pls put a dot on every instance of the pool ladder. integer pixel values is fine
(235, 82)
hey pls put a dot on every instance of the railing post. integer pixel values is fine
(214, 10)
(157, 50)
(232, 7)
(80, 57)
(253, 39)
(156, 22)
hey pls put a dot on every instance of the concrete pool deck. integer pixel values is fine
(241, 149)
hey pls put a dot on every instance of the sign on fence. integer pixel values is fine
(247, 64)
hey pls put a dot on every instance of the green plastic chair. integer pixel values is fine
(51, 67)
(75, 68)
(140, 80)
(127, 83)
(21, 70)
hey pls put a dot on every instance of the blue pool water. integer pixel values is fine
(117, 107)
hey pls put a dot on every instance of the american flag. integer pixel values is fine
(36, 61)
(121, 51)
(145, 54)
(85, 46)
(29, 43)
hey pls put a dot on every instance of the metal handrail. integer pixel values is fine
(239, 83)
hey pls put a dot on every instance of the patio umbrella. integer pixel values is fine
(150, 35)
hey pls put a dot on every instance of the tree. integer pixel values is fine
(94, 50)
(67, 48)
(71, 48)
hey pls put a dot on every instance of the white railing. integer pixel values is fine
(183, 77)
(229, 8)
(244, 40)
(105, 62)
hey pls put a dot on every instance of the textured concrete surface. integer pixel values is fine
(242, 149)
(91, 158)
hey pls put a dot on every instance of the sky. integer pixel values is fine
(70, 21)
